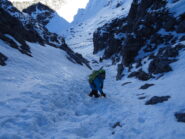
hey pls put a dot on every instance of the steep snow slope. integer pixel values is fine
(35, 91)
(124, 113)
(47, 97)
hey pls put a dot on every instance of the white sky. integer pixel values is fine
(69, 9)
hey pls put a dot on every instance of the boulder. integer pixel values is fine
(117, 124)
(145, 86)
(157, 99)
(141, 75)
(170, 52)
(3, 58)
(180, 117)
(159, 65)
(120, 69)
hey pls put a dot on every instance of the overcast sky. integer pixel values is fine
(69, 9)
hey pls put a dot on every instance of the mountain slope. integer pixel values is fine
(46, 96)
(33, 83)
(150, 31)
(149, 113)
(33, 91)
(17, 28)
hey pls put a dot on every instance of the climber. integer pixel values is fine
(96, 80)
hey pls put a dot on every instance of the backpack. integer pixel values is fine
(94, 74)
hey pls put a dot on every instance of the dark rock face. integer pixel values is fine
(181, 24)
(12, 27)
(180, 117)
(142, 31)
(159, 66)
(44, 15)
(165, 56)
(141, 75)
(119, 70)
(145, 86)
(109, 37)
(16, 29)
(144, 25)
(76, 58)
(130, 50)
(156, 99)
(3, 58)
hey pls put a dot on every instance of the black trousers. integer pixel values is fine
(95, 93)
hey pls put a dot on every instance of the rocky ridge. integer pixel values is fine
(53, 4)
(17, 28)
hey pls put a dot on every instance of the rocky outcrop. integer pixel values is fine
(157, 99)
(181, 24)
(146, 30)
(109, 37)
(145, 86)
(120, 69)
(11, 27)
(142, 27)
(43, 16)
(161, 62)
(3, 58)
(180, 117)
(141, 75)
(54, 4)
(159, 66)
(16, 29)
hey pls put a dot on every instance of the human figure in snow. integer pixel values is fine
(96, 80)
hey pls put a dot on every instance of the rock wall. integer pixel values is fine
(149, 31)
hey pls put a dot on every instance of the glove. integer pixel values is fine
(103, 94)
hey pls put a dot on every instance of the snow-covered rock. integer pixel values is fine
(149, 30)
(3, 58)
(40, 12)
(54, 4)
(17, 28)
